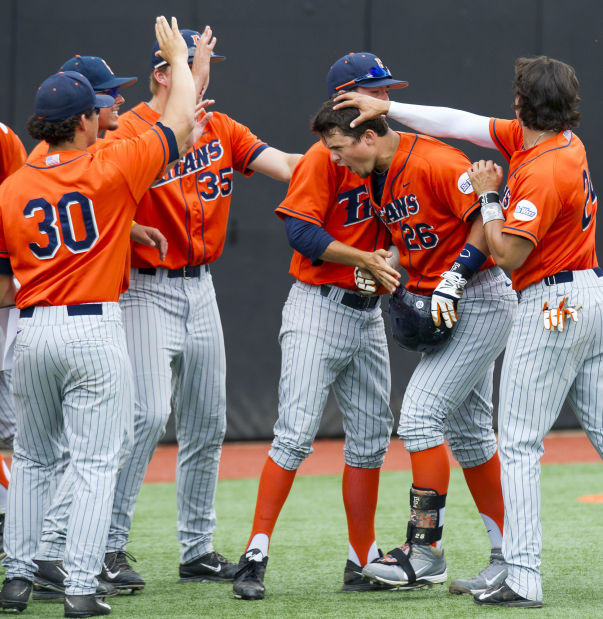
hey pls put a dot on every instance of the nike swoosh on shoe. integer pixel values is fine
(212, 568)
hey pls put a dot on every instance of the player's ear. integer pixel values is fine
(160, 77)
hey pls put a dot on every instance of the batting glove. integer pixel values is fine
(553, 319)
(365, 281)
(445, 298)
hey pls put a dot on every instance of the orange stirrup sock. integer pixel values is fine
(360, 489)
(4, 473)
(431, 469)
(484, 484)
(275, 484)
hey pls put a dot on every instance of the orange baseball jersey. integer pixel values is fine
(41, 148)
(65, 219)
(427, 203)
(549, 200)
(190, 204)
(12, 152)
(330, 196)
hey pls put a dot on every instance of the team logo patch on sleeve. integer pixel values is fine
(525, 210)
(464, 184)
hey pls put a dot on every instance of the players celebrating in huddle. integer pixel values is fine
(93, 391)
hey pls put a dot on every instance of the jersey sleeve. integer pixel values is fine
(534, 206)
(506, 135)
(143, 158)
(245, 146)
(12, 152)
(312, 188)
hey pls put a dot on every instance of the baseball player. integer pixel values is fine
(50, 576)
(420, 191)
(69, 214)
(12, 157)
(173, 325)
(331, 337)
(544, 232)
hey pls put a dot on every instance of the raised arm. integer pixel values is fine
(180, 105)
(439, 122)
(202, 60)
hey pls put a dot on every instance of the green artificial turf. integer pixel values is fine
(309, 550)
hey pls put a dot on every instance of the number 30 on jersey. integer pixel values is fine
(63, 212)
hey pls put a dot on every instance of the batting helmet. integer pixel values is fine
(412, 324)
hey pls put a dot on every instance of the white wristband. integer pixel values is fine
(492, 211)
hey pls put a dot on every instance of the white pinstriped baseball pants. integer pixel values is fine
(175, 341)
(449, 395)
(540, 369)
(72, 382)
(326, 344)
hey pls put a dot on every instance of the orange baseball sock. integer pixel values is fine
(484, 484)
(275, 484)
(431, 469)
(360, 489)
(4, 473)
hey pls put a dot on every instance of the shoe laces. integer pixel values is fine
(119, 559)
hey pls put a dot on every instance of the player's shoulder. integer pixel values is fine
(429, 152)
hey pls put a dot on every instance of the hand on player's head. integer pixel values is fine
(172, 46)
(369, 107)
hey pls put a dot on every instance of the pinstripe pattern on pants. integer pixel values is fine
(7, 407)
(72, 381)
(449, 395)
(175, 341)
(328, 345)
(540, 369)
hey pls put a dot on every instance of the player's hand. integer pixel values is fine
(369, 107)
(201, 61)
(446, 297)
(365, 281)
(376, 263)
(172, 47)
(485, 176)
(146, 235)
(553, 319)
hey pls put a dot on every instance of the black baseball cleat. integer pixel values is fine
(85, 606)
(119, 573)
(353, 580)
(503, 595)
(49, 582)
(249, 579)
(211, 567)
(15, 594)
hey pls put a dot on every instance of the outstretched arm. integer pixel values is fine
(275, 164)
(440, 122)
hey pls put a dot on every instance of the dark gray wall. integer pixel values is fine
(458, 53)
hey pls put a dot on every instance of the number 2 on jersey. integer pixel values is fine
(48, 226)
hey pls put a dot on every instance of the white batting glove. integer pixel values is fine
(553, 319)
(365, 281)
(445, 298)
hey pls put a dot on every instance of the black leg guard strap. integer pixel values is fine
(426, 501)
(402, 559)
(422, 535)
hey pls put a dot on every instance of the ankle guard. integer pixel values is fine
(424, 525)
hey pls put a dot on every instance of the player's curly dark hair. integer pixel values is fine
(327, 119)
(55, 131)
(546, 94)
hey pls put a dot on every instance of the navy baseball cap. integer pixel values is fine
(97, 71)
(67, 93)
(192, 38)
(360, 69)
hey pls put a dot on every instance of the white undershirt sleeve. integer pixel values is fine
(443, 122)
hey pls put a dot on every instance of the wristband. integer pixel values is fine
(469, 261)
(492, 211)
(488, 197)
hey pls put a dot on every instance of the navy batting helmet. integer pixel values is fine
(412, 324)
